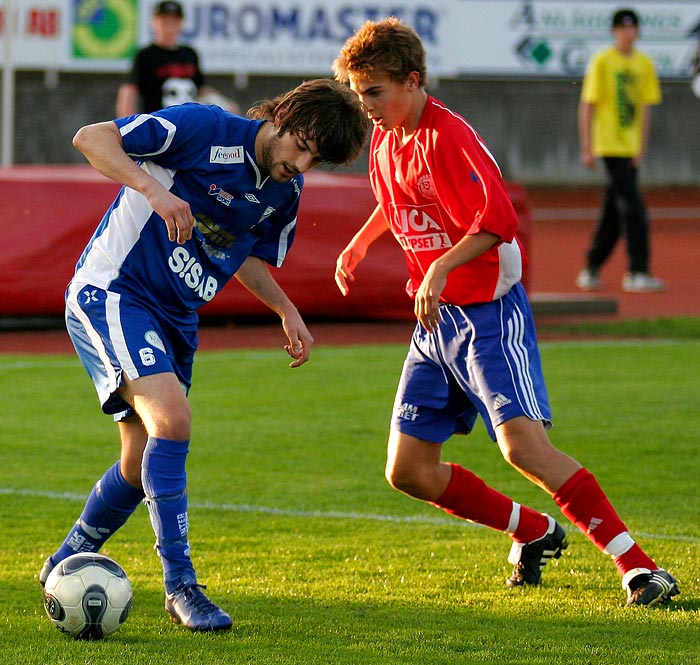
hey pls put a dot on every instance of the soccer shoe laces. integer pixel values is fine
(195, 597)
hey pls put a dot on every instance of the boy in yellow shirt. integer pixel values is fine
(619, 86)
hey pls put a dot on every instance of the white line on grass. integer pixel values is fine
(8, 362)
(314, 514)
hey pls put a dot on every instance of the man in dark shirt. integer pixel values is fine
(166, 72)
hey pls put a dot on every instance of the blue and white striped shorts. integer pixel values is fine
(115, 334)
(483, 359)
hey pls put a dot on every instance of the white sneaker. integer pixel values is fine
(641, 282)
(588, 280)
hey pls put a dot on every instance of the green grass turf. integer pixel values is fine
(296, 533)
(685, 327)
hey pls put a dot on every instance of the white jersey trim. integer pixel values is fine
(510, 268)
(109, 250)
(93, 335)
(116, 334)
(283, 246)
(139, 120)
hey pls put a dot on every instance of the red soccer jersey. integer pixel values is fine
(440, 186)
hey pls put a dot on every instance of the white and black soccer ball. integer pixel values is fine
(88, 596)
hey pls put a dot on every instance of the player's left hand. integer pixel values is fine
(346, 264)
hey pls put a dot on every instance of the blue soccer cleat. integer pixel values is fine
(190, 606)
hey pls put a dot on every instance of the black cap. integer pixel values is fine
(621, 18)
(169, 7)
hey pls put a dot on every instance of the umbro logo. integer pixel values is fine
(500, 401)
(252, 198)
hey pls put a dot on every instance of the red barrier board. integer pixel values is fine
(49, 214)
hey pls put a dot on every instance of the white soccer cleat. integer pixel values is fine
(641, 282)
(588, 280)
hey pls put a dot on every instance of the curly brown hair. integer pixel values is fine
(321, 110)
(387, 47)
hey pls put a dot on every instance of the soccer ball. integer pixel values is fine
(88, 596)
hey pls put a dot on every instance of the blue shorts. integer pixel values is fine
(483, 359)
(118, 334)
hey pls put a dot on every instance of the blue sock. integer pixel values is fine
(110, 503)
(165, 484)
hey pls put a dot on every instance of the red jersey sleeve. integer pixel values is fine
(469, 183)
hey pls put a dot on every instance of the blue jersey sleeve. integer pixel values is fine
(174, 137)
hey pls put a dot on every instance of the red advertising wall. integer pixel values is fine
(49, 213)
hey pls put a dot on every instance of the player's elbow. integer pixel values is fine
(79, 139)
(90, 137)
(83, 138)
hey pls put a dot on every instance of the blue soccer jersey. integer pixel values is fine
(206, 157)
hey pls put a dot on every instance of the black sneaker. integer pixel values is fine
(650, 587)
(189, 606)
(530, 559)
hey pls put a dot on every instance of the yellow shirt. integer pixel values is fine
(620, 87)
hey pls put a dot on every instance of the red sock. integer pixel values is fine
(583, 501)
(469, 497)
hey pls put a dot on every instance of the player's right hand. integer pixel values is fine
(183, 227)
(300, 339)
(176, 214)
(587, 159)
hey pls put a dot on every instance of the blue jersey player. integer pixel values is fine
(206, 195)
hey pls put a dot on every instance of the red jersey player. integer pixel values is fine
(474, 349)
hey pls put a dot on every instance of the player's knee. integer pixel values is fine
(179, 426)
(392, 476)
(524, 444)
(404, 479)
(515, 458)
(389, 475)
(174, 424)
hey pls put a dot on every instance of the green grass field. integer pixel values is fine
(296, 533)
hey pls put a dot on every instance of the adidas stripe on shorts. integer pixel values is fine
(483, 359)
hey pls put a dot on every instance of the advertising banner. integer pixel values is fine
(463, 38)
(38, 33)
(540, 38)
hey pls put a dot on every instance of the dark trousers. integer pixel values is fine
(623, 209)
